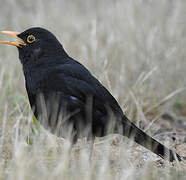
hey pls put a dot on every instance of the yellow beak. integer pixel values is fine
(13, 34)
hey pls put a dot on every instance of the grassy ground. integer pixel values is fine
(137, 49)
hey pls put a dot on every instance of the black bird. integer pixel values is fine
(67, 99)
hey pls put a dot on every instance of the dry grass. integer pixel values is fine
(137, 50)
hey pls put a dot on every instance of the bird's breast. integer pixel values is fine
(34, 80)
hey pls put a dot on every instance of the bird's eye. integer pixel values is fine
(31, 39)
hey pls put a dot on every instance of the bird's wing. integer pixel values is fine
(76, 81)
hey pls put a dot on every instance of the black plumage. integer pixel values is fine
(68, 100)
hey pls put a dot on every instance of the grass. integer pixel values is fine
(137, 50)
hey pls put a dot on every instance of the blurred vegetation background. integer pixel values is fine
(137, 49)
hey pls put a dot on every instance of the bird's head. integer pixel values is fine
(35, 43)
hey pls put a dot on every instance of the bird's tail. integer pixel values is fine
(140, 137)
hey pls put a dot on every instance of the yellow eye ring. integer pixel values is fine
(31, 38)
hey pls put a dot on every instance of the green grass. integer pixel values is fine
(137, 49)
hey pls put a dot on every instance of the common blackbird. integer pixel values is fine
(67, 99)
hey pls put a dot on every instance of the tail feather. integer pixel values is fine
(140, 137)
